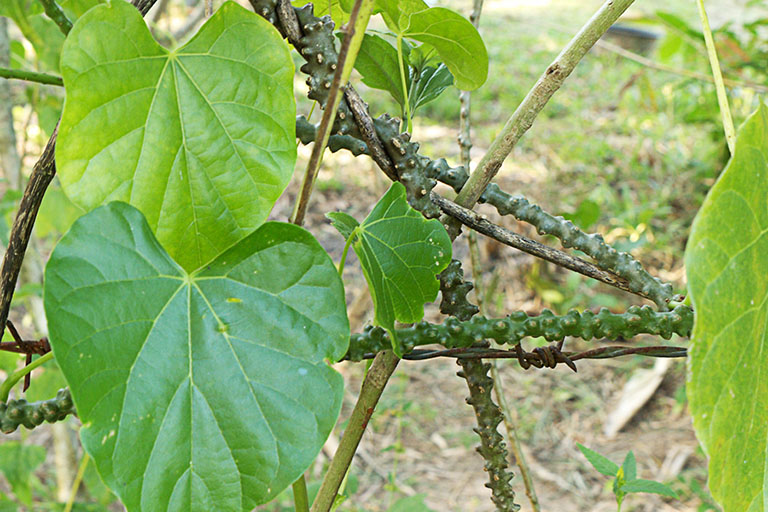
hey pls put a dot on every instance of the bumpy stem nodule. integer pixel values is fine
(511, 330)
(21, 412)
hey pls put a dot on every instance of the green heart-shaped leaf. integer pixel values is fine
(200, 139)
(203, 391)
(726, 261)
(401, 253)
(457, 42)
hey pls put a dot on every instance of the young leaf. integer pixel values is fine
(343, 222)
(401, 253)
(629, 466)
(431, 84)
(204, 391)
(599, 462)
(457, 42)
(726, 260)
(648, 486)
(200, 139)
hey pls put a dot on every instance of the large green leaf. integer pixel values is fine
(457, 42)
(727, 263)
(203, 391)
(400, 252)
(200, 139)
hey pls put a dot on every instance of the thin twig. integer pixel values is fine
(368, 132)
(54, 11)
(383, 366)
(522, 119)
(722, 97)
(644, 61)
(532, 247)
(358, 21)
(31, 76)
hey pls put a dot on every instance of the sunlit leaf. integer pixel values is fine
(457, 42)
(726, 262)
(200, 139)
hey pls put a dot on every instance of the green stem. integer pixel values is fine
(373, 386)
(346, 250)
(300, 497)
(549, 82)
(54, 11)
(722, 97)
(16, 376)
(31, 76)
(76, 483)
(403, 83)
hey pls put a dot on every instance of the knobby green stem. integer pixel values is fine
(31, 76)
(54, 11)
(549, 82)
(5, 388)
(300, 497)
(358, 21)
(375, 381)
(722, 97)
(406, 101)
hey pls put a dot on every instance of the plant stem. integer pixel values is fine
(722, 97)
(644, 61)
(475, 221)
(549, 82)
(358, 21)
(31, 76)
(16, 376)
(346, 250)
(53, 11)
(403, 84)
(300, 498)
(76, 483)
(382, 368)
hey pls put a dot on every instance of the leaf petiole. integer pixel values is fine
(350, 239)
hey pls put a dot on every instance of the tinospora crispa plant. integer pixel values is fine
(196, 338)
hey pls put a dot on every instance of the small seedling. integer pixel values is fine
(625, 479)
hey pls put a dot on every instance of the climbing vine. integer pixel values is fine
(171, 302)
